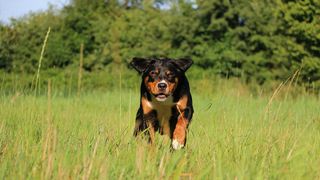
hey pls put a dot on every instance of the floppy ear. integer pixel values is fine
(183, 64)
(140, 64)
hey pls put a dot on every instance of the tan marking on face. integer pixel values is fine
(146, 105)
(172, 85)
(151, 86)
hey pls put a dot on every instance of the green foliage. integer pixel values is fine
(232, 136)
(257, 41)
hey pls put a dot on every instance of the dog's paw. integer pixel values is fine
(176, 145)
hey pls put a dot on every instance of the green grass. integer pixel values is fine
(233, 135)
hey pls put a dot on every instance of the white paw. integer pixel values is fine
(176, 145)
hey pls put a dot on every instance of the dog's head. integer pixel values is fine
(161, 76)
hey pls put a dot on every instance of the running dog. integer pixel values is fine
(166, 102)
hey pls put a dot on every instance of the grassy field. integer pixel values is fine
(233, 135)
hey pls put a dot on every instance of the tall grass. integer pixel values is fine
(230, 137)
(40, 60)
(80, 68)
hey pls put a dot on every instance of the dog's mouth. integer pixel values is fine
(161, 97)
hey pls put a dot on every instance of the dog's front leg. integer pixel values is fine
(151, 130)
(145, 123)
(180, 132)
(149, 118)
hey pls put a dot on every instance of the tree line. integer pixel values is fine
(258, 41)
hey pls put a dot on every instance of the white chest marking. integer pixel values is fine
(164, 112)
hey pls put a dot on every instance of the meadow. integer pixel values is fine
(258, 124)
(234, 135)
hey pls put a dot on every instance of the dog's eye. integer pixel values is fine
(170, 74)
(153, 73)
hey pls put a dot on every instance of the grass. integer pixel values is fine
(232, 136)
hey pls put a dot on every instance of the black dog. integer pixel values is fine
(166, 103)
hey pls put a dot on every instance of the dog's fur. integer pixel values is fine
(166, 102)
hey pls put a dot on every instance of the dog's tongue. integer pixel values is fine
(161, 97)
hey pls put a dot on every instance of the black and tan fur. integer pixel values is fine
(166, 102)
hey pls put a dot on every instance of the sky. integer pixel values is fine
(18, 8)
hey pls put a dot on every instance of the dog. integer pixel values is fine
(165, 102)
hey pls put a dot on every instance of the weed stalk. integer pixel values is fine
(37, 87)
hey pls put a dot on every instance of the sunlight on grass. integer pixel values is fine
(231, 136)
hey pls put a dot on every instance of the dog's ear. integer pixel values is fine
(140, 64)
(183, 64)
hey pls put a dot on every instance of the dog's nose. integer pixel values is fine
(162, 86)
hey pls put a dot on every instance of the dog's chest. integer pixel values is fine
(164, 113)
